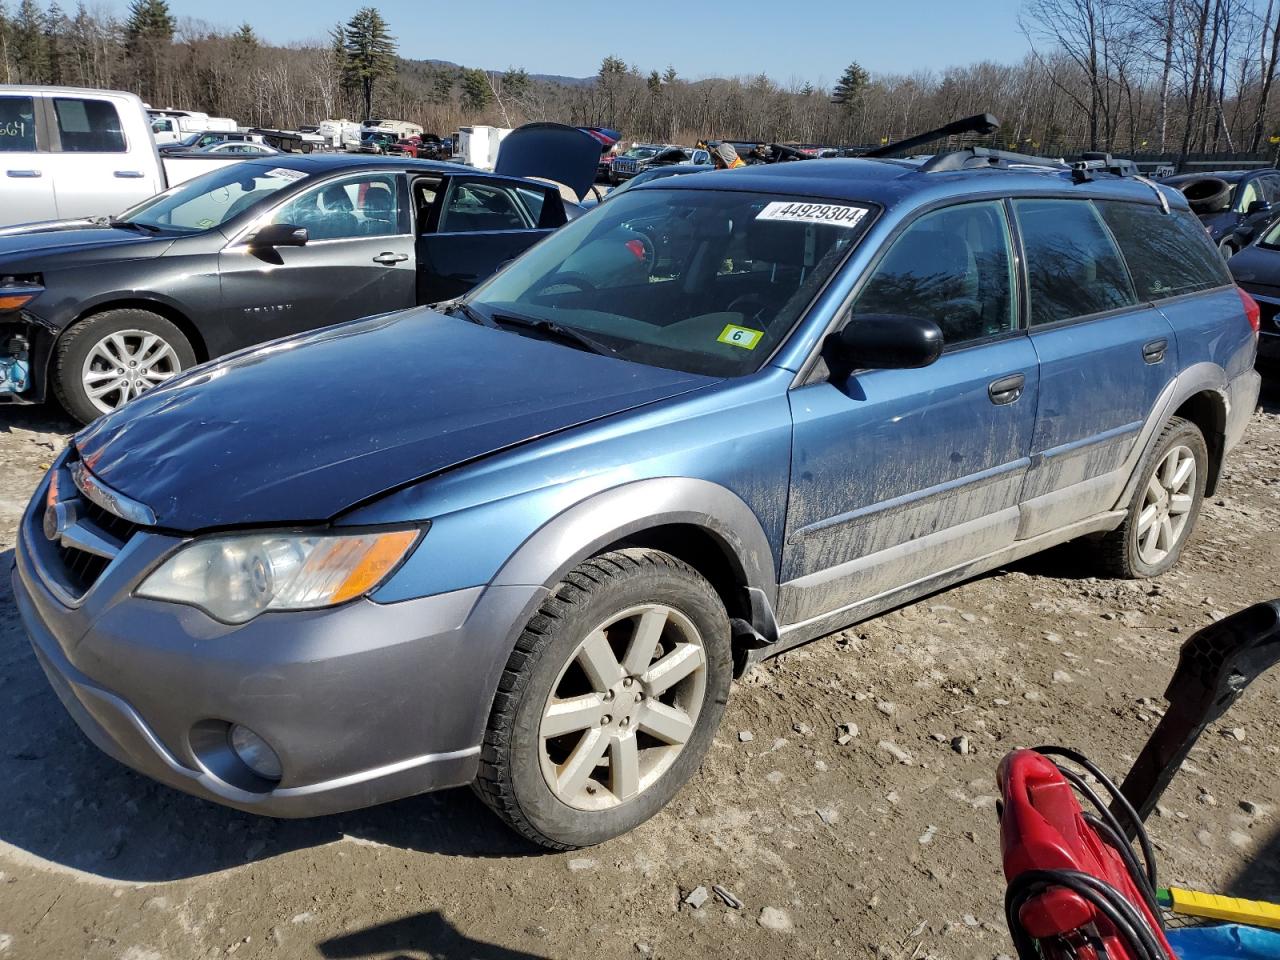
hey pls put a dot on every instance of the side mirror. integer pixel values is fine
(1258, 206)
(885, 342)
(279, 235)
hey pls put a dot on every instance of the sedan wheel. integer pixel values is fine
(124, 365)
(613, 725)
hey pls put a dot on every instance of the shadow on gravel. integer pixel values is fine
(65, 802)
(422, 935)
(45, 416)
(1259, 879)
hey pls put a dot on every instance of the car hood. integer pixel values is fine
(32, 240)
(551, 151)
(301, 429)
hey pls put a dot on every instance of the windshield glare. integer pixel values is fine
(703, 281)
(213, 199)
(640, 153)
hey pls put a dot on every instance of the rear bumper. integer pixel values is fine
(1242, 400)
(364, 703)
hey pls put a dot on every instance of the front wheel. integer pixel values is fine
(104, 361)
(609, 701)
(1165, 506)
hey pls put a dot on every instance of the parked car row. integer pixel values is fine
(524, 538)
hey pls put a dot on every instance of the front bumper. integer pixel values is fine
(363, 703)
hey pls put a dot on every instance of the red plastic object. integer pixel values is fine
(1042, 827)
(1251, 309)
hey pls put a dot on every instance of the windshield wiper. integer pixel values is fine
(468, 311)
(129, 225)
(569, 335)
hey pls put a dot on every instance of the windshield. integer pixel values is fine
(640, 153)
(1272, 237)
(213, 199)
(704, 281)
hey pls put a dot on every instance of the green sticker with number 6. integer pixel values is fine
(737, 336)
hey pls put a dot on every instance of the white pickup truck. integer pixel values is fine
(69, 152)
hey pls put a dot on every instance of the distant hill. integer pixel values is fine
(540, 77)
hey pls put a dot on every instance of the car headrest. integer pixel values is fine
(335, 199)
(378, 202)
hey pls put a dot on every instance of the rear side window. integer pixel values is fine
(88, 126)
(17, 125)
(472, 207)
(1168, 255)
(1073, 266)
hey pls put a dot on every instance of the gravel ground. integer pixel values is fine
(885, 846)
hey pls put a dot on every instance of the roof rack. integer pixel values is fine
(982, 124)
(972, 157)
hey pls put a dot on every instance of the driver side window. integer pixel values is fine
(352, 208)
(952, 266)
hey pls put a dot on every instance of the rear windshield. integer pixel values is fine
(703, 281)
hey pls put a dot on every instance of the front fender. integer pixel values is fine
(613, 515)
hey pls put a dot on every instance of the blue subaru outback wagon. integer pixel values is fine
(524, 540)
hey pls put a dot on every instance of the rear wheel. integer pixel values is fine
(103, 362)
(609, 701)
(1164, 508)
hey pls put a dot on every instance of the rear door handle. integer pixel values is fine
(1006, 389)
(1153, 352)
(130, 174)
(390, 258)
(25, 173)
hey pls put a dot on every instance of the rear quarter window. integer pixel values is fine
(88, 126)
(1168, 254)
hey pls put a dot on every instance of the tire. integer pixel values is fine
(81, 355)
(1207, 194)
(1228, 249)
(1129, 551)
(606, 598)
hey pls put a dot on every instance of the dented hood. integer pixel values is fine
(301, 429)
(551, 151)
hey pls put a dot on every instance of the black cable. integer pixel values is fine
(1121, 846)
(1109, 902)
(1148, 855)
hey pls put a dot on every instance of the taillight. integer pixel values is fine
(1251, 310)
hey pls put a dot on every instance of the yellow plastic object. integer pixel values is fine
(1212, 906)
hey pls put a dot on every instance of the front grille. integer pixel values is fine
(65, 561)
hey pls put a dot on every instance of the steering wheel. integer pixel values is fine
(649, 255)
(570, 279)
(740, 304)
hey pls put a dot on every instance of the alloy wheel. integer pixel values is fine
(623, 707)
(1166, 505)
(124, 365)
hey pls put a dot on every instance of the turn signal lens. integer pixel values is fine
(16, 301)
(236, 578)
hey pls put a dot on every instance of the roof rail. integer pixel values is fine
(963, 160)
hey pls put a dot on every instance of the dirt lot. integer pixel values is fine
(834, 851)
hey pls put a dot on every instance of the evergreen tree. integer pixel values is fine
(476, 94)
(370, 53)
(850, 86)
(30, 45)
(670, 76)
(6, 30)
(148, 36)
(56, 30)
(515, 83)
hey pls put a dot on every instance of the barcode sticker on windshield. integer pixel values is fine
(284, 173)
(832, 214)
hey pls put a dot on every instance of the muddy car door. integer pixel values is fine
(356, 259)
(470, 226)
(902, 474)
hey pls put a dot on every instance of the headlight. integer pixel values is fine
(236, 578)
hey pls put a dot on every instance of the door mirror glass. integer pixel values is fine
(885, 342)
(1258, 206)
(279, 235)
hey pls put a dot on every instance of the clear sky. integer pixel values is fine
(809, 40)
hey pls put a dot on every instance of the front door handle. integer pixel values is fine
(1006, 389)
(130, 174)
(390, 258)
(25, 173)
(1153, 352)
